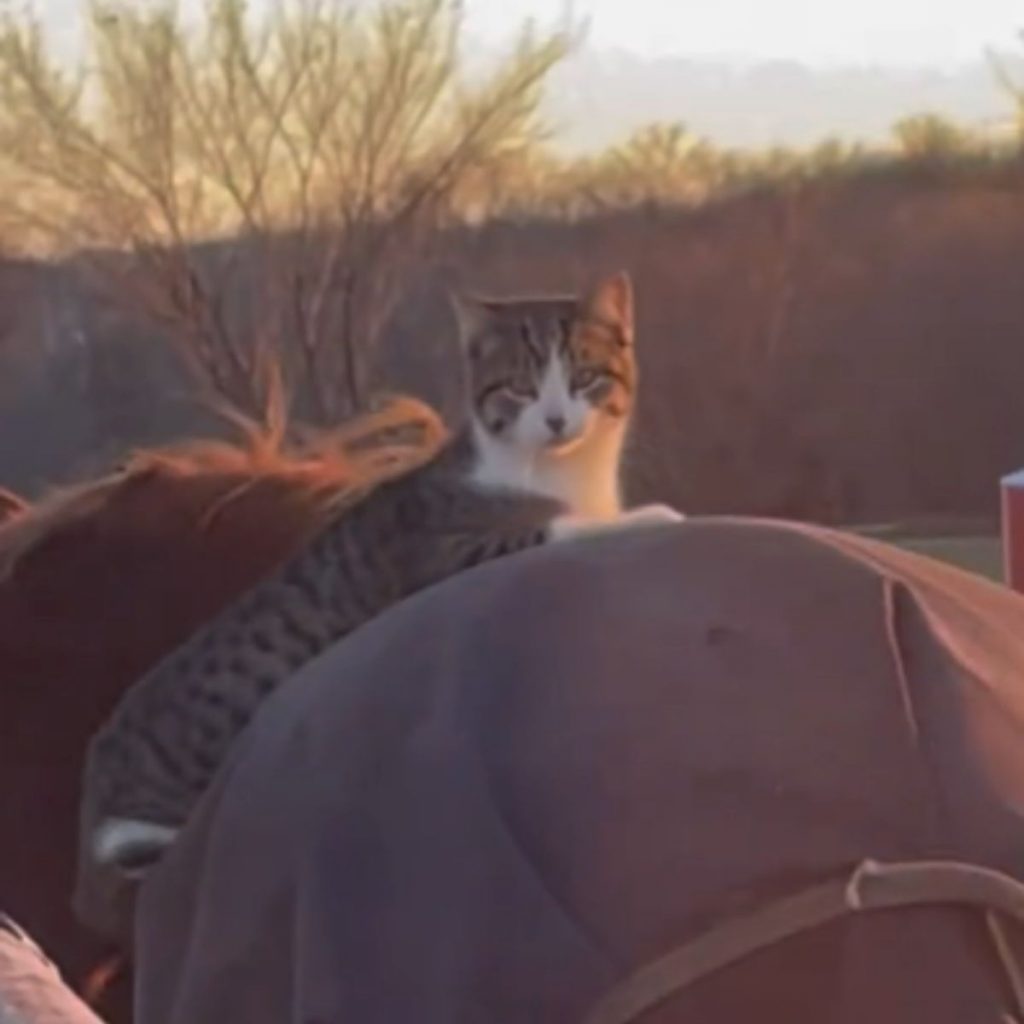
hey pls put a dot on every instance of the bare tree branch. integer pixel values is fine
(260, 187)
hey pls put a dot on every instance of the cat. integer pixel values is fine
(551, 384)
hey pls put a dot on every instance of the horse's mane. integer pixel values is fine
(331, 467)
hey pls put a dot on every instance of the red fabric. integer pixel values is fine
(1013, 533)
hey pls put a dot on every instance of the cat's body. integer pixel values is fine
(551, 386)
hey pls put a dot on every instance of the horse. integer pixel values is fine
(99, 580)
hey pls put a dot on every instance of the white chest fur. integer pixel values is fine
(586, 478)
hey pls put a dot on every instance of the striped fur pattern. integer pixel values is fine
(551, 386)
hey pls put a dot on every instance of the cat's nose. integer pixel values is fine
(556, 424)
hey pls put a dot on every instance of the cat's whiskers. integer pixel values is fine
(552, 388)
(586, 477)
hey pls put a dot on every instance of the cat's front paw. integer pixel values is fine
(651, 515)
(131, 846)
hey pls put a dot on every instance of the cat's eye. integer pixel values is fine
(520, 392)
(585, 378)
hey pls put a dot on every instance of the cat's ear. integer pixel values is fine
(611, 300)
(473, 315)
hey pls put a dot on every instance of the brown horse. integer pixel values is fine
(100, 580)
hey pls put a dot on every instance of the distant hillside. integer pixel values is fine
(850, 351)
(598, 97)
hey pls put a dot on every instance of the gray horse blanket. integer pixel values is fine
(510, 796)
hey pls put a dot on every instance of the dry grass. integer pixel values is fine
(974, 545)
(982, 555)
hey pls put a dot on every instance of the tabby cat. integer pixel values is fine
(551, 384)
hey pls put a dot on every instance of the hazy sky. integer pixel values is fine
(932, 32)
(591, 105)
(815, 31)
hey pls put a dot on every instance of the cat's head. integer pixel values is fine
(547, 374)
